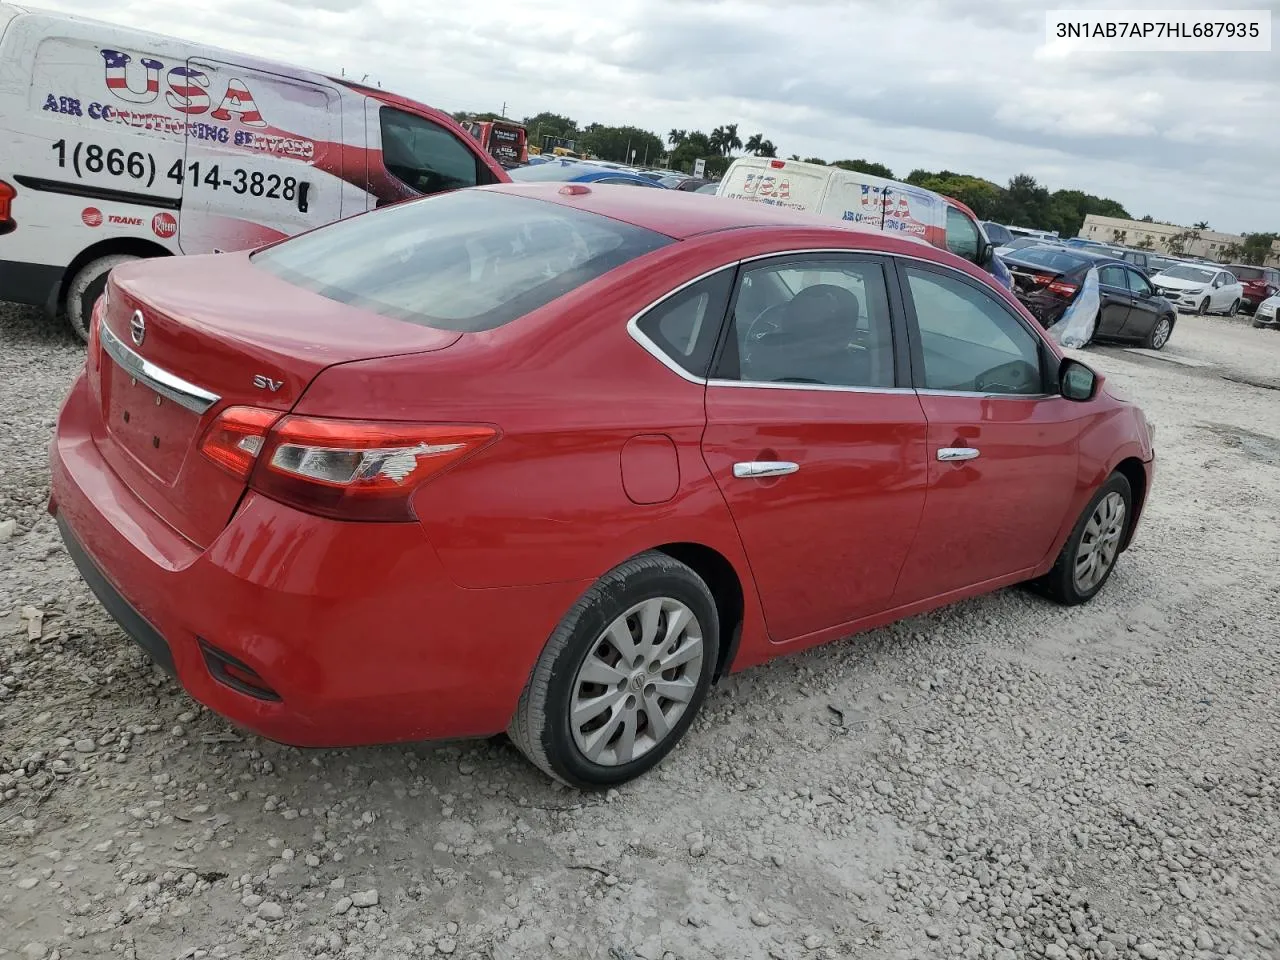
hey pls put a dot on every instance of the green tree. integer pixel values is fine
(981, 196)
(1147, 218)
(865, 166)
(1025, 203)
(1257, 247)
(617, 144)
(1068, 208)
(817, 160)
(753, 144)
(1145, 243)
(695, 145)
(1202, 224)
(767, 149)
(546, 124)
(794, 156)
(677, 137)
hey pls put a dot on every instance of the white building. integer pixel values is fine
(1210, 244)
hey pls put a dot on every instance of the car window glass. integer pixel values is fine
(820, 321)
(423, 156)
(1138, 283)
(962, 235)
(970, 342)
(1112, 276)
(685, 326)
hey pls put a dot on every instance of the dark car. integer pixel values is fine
(693, 183)
(1258, 282)
(1048, 279)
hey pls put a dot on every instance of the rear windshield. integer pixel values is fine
(1194, 274)
(1053, 258)
(1247, 273)
(467, 260)
(1023, 243)
(553, 170)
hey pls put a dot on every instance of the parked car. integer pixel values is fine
(856, 197)
(1020, 243)
(1258, 284)
(997, 233)
(121, 144)
(401, 478)
(1268, 313)
(711, 187)
(1139, 258)
(695, 183)
(575, 171)
(1204, 289)
(1049, 279)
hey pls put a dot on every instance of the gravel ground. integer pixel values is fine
(1002, 779)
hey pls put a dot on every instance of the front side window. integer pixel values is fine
(467, 260)
(1138, 284)
(970, 342)
(962, 235)
(425, 157)
(821, 321)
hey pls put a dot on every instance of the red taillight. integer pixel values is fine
(94, 355)
(236, 438)
(359, 469)
(1062, 289)
(7, 193)
(777, 164)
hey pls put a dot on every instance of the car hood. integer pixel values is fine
(1176, 283)
(1272, 302)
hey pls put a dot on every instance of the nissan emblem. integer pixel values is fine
(138, 328)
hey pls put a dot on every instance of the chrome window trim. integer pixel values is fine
(182, 392)
(633, 329)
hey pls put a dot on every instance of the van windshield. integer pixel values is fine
(467, 260)
(425, 157)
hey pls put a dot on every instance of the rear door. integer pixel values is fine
(815, 440)
(1116, 297)
(1002, 448)
(776, 183)
(263, 156)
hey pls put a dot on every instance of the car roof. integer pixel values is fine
(682, 214)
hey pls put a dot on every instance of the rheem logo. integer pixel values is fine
(164, 225)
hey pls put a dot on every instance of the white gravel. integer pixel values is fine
(1000, 780)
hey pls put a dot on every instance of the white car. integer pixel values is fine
(1268, 313)
(1204, 289)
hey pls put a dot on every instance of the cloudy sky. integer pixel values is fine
(959, 84)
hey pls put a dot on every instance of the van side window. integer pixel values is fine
(423, 156)
(962, 235)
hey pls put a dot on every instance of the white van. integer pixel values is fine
(861, 198)
(119, 144)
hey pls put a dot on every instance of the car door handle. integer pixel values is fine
(957, 453)
(755, 469)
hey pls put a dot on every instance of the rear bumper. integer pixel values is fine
(30, 283)
(355, 626)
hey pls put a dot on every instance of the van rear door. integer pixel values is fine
(775, 182)
(263, 156)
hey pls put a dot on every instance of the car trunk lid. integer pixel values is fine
(183, 339)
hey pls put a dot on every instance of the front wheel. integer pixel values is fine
(1160, 333)
(1203, 309)
(1090, 553)
(622, 677)
(86, 286)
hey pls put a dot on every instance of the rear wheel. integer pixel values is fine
(1090, 553)
(1235, 306)
(622, 677)
(1159, 334)
(86, 286)
(1204, 307)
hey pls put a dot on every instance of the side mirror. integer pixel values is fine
(986, 250)
(1076, 381)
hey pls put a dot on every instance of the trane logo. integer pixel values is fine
(124, 221)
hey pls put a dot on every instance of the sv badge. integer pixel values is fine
(266, 383)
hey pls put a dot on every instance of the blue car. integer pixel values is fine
(571, 171)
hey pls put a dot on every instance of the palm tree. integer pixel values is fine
(677, 137)
(1202, 224)
(767, 149)
(794, 156)
(717, 140)
(732, 141)
(753, 143)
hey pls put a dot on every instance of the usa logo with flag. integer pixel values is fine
(117, 66)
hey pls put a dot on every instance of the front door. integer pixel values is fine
(815, 439)
(1116, 299)
(1143, 309)
(263, 156)
(1002, 447)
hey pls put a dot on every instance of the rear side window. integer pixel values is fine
(685, 326)
(425, 157)
(1113, 276)
(467, 260)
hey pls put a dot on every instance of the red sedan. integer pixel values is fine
(551, 459)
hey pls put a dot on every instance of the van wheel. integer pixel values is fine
(86, 287)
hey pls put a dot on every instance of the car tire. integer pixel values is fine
(579, 707)
(1234, 308)
(1203, 309)
(1160, 333)
(86, 286)
(1099, 532)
